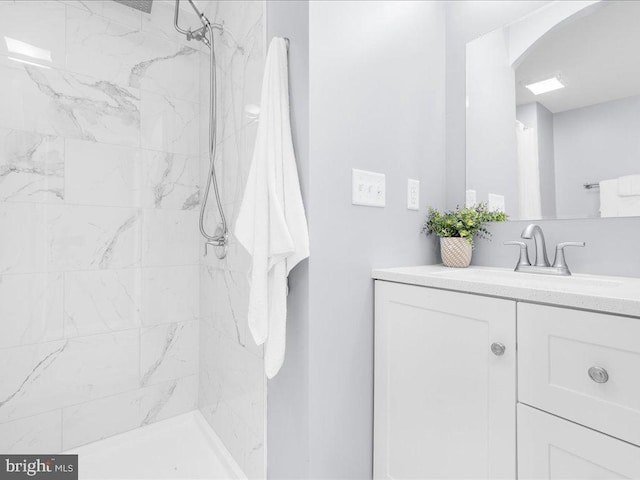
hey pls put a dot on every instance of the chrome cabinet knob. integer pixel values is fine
(598, 375)
(498, 349)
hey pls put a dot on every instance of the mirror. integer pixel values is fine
(553, 113)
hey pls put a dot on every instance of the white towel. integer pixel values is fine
(629, 206)
(609, 199)
(629, 186)
(271, 224)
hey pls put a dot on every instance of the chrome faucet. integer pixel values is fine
(535, 231)
(542, 264)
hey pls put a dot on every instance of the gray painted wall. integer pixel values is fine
(288, 394)
(591, 144)
(376, 103)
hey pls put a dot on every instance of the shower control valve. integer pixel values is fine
(219, 245)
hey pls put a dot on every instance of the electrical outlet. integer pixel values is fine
(413, 194)
(470, 199)
(368, 188)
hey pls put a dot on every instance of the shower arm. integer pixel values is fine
(201, 16)
(200, 33)
(175, 20)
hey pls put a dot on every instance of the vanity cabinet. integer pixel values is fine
(445, 404)
(458, 394)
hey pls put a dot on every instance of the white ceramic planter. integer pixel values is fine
(455, 251)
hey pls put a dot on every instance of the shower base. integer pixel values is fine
(183, 447)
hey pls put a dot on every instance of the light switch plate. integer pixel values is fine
(367, 188)
(413, 194)
(496, 203)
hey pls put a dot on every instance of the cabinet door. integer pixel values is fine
(551, 447)
(445, 405)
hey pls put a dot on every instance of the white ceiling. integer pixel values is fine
(597, 57)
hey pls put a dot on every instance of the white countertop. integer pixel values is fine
(620, 295)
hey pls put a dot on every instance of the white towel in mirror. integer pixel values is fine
(609, 198)
(629, 186)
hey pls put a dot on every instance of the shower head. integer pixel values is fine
(142, 5)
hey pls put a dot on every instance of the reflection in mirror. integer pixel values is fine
(553, 113)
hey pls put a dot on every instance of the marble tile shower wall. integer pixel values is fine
(232, 382)
(99, 192)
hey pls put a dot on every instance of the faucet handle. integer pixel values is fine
(524, 253)
(559, 261)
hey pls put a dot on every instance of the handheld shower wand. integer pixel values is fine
(219, 239)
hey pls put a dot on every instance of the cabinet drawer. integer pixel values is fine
(583, 366)
(550, 447)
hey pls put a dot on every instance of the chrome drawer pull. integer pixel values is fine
(598, 375)
(498, 349)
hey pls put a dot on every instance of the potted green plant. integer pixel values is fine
(457, 230)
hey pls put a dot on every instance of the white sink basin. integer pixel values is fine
(509, 277)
